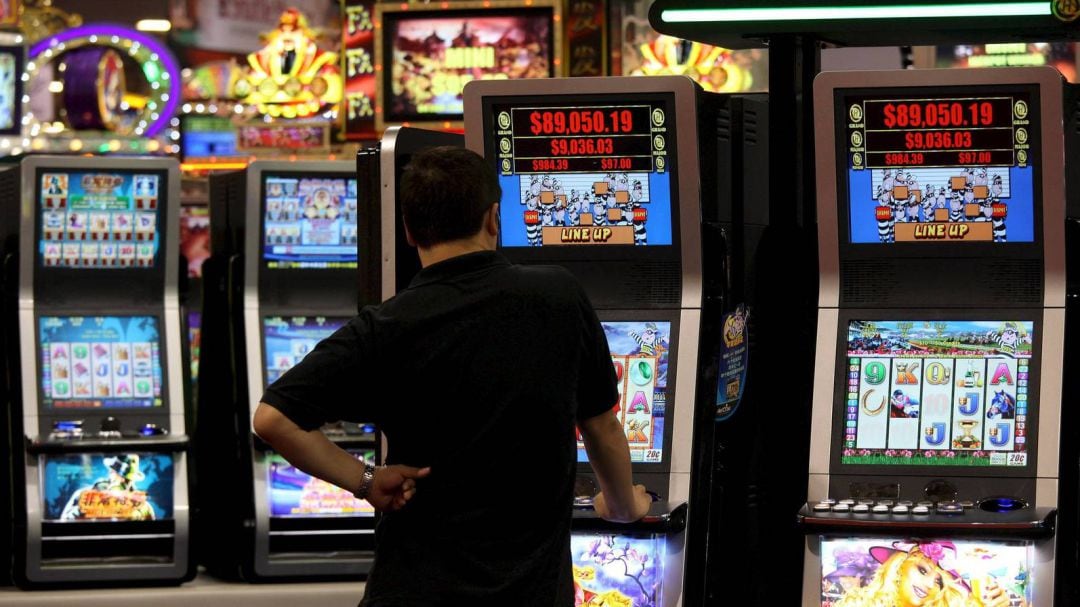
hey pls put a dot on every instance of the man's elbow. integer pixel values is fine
(267, 422)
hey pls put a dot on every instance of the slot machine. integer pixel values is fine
(381, 166)
(280, 280)
(934, 469)
(602, 177)
(99, 446)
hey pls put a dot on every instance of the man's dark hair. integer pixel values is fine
(444, 194)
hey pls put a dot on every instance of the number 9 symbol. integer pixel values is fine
(875, 373)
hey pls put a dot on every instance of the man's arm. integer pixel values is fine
(312, 452)
(619, 499)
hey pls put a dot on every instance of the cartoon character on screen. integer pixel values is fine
(599, 208)
(1003, 406)
(916, 578)
(886, 219)
(114, 496)
(54, 188)
(1009, 339)
(641, 235)
(532, 215)
(997, 188)
(321, 205)
(573, 208)
(912, 203)
(650, 341)
(903, 406)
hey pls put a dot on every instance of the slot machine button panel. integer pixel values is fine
(841, 508)
(881, 509)
(949, 508)
(967, 504)
(920, 510)
(901, 509)
(860, 508)
(822, 507)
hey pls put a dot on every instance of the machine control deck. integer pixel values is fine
(946, 517)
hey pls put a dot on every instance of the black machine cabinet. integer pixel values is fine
(269, 296)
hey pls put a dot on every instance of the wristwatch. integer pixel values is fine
(366, 481)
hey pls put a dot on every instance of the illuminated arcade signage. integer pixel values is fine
(155, 61)
(358, 39)
(749, 23)
(426, 57)
(291, 77)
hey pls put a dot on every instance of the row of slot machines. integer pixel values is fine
(938, 442)
(117, 479)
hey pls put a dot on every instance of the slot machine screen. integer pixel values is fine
(939, 393)
(940, 165)
(100, 219)
(309, 222)
(107, 487)
(288, 340)
(296, 494)
(639, 352)
(592, 171)
(11, 89)
(433, 55)
(110, 362)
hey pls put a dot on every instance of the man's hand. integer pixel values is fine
(394, 486)
(642, 502)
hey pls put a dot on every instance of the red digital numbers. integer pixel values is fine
(937, 140)
(929, 114)
(580, 122)
(581, 147)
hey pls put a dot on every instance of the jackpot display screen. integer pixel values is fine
(107, 487)
(592, 173)
(891, 571)
(100, 362)
(296, 494)
(434, 54)
(288, 340)
(99, 218)
(639, 352)
(936, 166)
(309, 222)
(943, 392)
(622, 570)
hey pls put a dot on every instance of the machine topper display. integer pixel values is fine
(291, 77)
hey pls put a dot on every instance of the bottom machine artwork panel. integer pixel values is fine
(868, 572)
(115, 486)
(618, 570)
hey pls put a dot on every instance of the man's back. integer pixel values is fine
(475, 370)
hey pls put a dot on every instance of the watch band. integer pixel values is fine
(366, 481)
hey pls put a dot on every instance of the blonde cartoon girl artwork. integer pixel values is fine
(913, 575)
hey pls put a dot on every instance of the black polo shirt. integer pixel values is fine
(479, 369)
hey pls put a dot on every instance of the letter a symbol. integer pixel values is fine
(1002, 375)
(639, 404)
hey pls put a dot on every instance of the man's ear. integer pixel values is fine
(492, 223)
(408, 236)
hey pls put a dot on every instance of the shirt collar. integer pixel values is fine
(458, 266)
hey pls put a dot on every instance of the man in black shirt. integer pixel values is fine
(476, 373)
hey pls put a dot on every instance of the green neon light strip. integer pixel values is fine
(833, 13)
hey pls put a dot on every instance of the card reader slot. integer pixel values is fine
(42, 445)
(322, 543)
